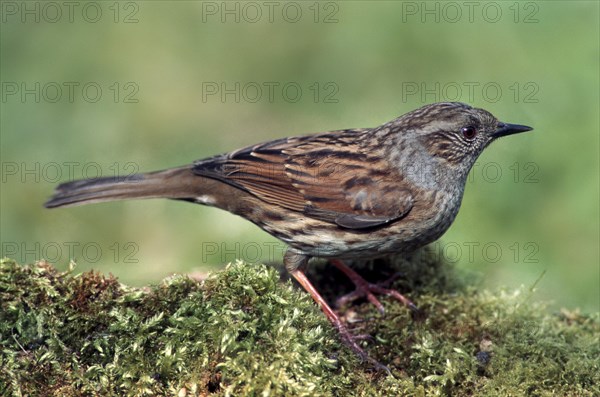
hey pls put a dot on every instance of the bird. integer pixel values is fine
(348, 194)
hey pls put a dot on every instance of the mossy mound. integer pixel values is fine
(244, 332)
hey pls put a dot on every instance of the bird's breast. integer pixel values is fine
(432, 214)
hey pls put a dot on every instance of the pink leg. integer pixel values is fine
(364, 288)
(348, 339)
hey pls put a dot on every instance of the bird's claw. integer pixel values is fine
(368, 290)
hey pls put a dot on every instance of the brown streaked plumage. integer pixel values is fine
(356, 193)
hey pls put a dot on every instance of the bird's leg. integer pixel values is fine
(367, 289)
(294, 263)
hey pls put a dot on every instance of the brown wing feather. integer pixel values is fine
(326, 176)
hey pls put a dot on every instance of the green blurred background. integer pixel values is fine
(531, 205)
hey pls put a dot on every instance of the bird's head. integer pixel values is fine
(456, 133)
(441, 141)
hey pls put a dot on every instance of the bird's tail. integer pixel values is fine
(176, 183)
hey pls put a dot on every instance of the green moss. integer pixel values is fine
(244, 332)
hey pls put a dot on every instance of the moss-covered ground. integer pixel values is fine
(244, 332)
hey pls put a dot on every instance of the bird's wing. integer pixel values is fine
(327, 177)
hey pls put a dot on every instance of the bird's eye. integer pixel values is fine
(469, 133)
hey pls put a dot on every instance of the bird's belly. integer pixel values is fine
(350, 244)
(316, 238)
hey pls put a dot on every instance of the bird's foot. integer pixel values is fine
(368, 290)
(348, 339)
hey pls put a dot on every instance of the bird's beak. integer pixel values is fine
(505, 129)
